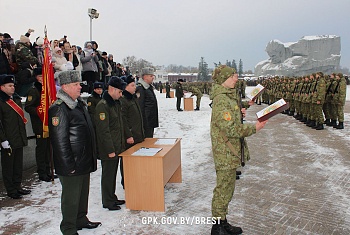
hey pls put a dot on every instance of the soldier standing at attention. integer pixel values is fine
(13, 137)
(42, 149)
(94, 98)
(179, 93)
(167, 89)
(110, 140)
(73, 143)
(226, 129)
(148, 101)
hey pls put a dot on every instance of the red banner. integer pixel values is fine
(48, 92)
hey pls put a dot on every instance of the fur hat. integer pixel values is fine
(147, 71)
(129, 79)
(98, 85)
(222, 73)
(70, 76)
(5, 78)
(117, 82)
(24, 39)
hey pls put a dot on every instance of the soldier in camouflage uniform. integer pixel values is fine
(339, 100)
(23, 52)
(318, 99)
(226, 124)
(196, 92)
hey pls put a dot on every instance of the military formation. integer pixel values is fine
(316, 99)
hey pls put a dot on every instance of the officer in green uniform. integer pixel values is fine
(226, 130)
(179, 93)
(94, 98)
(73, 143)
(167, 90)
(13, 137)
(110, 140)
(42, 149)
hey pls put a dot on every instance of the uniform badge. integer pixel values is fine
(102, 116)
(55, 121)
(89, 103)
(30, 98)
(227, 116)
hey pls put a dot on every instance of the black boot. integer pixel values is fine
(197, 108)
(291, 113)
(218, 229)
(340, 125)
(297, 117)
(308, 122)
(333, 123)
(319, 126)
(231, 229)
(327, 122)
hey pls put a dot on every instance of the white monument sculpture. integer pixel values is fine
(309, 55)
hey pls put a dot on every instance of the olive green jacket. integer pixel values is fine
(226, 119)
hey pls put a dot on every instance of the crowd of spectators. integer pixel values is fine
(20, 58)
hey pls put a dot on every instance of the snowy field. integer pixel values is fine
(39, 213)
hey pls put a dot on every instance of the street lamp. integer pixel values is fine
(93, 14)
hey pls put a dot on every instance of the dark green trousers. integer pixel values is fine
(74, 202)
(12, 168)
(42, 156)
(108, 181)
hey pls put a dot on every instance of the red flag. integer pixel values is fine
(48, 92)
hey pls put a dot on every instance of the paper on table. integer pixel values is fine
(146, 151)
(165, 141)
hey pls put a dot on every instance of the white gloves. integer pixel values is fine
(5, 145)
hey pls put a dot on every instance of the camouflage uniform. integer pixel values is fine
(196, 92)
(339, 100)
(226, 119)
(24, 54)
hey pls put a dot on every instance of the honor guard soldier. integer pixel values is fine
(42, 149)
(13, 137)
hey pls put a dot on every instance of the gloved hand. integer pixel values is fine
(5, 145)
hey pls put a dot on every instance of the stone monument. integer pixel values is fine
(310, 54)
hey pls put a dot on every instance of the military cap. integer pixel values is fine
(37, 71)
(98, 85)
(69, 76)
(222, 73)
(117, 82)
(147, 71)
(128, 79)
(6, 78)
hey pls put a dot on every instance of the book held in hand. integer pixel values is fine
(270, 111)
(255, 92)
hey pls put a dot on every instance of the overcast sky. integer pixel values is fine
(182, 31)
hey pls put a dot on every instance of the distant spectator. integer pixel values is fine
(25, 79)
(60, 59)
(113, 65)
(89, 61)
(8, 46)
(77, 54)
(119, 70)
(23, 52)
(69, 54)
(4, 63)
(38, 50)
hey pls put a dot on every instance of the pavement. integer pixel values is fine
(298, 182)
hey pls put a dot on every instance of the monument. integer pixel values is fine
(309, 55)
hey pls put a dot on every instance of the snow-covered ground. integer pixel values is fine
(39, 213)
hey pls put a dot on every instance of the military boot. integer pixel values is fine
(333, 123)
(303, 119)
(311, 124)
(197, 108)
(218, 229)
(314, 125)
(327, 122)
(308, 122)
(291, 113)
(340, 125)
(231, 229)
(319, 126)
(297, 116)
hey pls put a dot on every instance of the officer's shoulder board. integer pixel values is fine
(58, 102)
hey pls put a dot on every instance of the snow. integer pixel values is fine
(190, 198)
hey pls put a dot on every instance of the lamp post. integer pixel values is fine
(93, 14)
